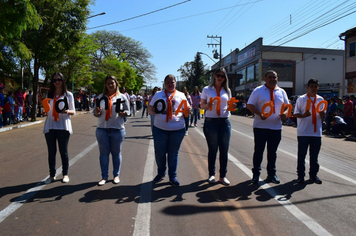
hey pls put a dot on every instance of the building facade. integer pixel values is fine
(350, 59)
(294, 65)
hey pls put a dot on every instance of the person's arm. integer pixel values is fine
(204, 104)
(71, 109)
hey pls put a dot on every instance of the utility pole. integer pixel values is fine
(219, 40)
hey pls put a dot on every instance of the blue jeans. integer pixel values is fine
(186, 119)
(110, 141)
(217, 132)
(167, 144)
(314, 144)
(62, 136)
(145, 108)
(272, 138)
(19, 113)
(133, 109)
(195, 115)
(152, 122)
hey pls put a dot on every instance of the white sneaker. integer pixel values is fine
(224, 181)
(102, 182)
(50, 180)
(116, 180)
(65, 179)
(211, 179)
(186, 133)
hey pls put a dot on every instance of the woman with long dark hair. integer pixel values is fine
(111, 108)
(217, 126)
(58, 126)
(195, 96)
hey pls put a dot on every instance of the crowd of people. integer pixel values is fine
(173, 112)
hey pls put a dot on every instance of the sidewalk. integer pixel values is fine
(28, 123)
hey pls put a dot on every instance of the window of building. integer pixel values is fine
(352, 49)
(285, 70)
(250, 75)
(257, 71)
(240, 77)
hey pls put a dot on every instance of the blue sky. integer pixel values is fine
(173, 36)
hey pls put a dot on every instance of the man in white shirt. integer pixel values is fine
(133, 103)
(267, 128)
(309, 131)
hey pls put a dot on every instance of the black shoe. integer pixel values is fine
(315, 180)
(300, 180)
(158, 178)
(274, 179)
(255, 179)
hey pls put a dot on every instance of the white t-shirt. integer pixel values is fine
(177, 122)
(210, 92)
(64, 122)
(305, 125)
(116, 121)
(259, 97)
(133, 99)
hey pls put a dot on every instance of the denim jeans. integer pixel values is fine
(314, 144)
(19, 113)
(133, 109)
(167, 144)
(110, 141)
(195, 116)
(186, 119)
(145, 109)
(152, 122)
(261, 137)
(62, 136)
(217, 132)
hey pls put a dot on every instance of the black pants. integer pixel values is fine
(62, 136)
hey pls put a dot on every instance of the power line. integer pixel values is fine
(131, 18)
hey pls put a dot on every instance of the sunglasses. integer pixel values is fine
(220, 76)
(57, 80)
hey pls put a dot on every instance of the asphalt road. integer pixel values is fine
(136, 206)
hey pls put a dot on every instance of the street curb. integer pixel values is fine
(4, 129)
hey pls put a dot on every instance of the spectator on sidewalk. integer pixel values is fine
(110, 131)
(7, 112)
(338, 126)
(267, 129)
(20, 103)
(2, 98)
(309, 131)
(332, 108)
(168, 129)
(58, 125)
(349, 114)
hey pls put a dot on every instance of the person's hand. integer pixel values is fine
(306, 114)
(97, 111)
(152, 111)
(122, 114)
(283, 116)
(262, 117)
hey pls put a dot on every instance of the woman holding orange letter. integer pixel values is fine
(217, 126)
(58, 125)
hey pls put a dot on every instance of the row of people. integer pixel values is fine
(168, 107)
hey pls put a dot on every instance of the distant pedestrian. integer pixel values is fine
(186, 119)
(58, 126)
(195, 96)
(133, 99)
(168, 129)
(309, 131)
(145, 105)
(155, 89)
(267, 129)
(110, 131)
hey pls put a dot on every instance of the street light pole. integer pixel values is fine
(207, 56)
(103, 13)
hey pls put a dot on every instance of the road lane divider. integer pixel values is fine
(18, 202)
(143, 216)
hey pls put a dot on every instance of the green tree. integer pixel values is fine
(15, 17)
(63, 24)
(125, 49)
(194, 73)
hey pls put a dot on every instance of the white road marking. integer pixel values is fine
(304, 218)
(18, 202)
(143, 216)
